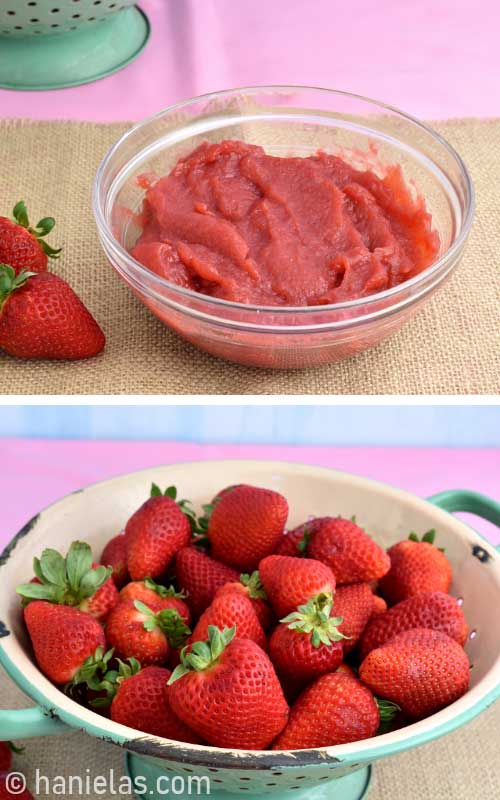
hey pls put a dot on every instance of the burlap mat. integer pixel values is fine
(452, 346)
(463, 766)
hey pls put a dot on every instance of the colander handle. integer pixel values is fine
(472, 502)
(28, 723)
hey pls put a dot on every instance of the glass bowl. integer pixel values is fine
(297, 121)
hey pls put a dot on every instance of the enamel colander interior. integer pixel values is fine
(100, 511)
(23, 18)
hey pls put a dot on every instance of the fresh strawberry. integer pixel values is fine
(23, 247)
(421, 670)
(416, 566)
(6, 751)
(157, 597)
(296, 542)
(135, 631)
(72, 581)
(103, 601)
(41, 317)
(349, 552)
(307, 643)
(228, 609)
(154, 534)
(335, 709)
(142, 703)
(227, 691)
(434, 610)
(114, 555)
(290, 582)
(200, 576)
(8, 790)
(245, 525)
(379, 606)
(62, 638)
(354, 603)
(347, 669)
(251, 586)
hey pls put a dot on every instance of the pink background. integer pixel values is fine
(433, 59)
(37, 472)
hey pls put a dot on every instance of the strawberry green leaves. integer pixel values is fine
(428, 537)
(66, 581)
(42, 228)
(164, 591)
(254, 585)
(203, 655)
(199, 524)
(9, 281)
(314, 618)
(102, 674)
(168, 620)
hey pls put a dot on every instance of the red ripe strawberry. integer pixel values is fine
(141, 702)
(349, 552)
(157, 597)
(8, 791)
(421, 670)
(41, 317)
(200, 576)
(228, 609)
(154, 534)
(114, 555)
(251, 586)
(227, 691)
(307, 643)
(6, 751)
(290, 582)
(347, 669)
(434, 610)
(354, 603)
(72, 581)
(62, 638)
(246, 525)
(135, 631)
(335, 709)
(23, 247)
(416, 566)
(296, 542)
(379, 605)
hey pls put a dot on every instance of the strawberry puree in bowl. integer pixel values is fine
(283, 226)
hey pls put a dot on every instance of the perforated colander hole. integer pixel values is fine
(34, 20)
(218, 780)
(294, 787)
(11, 13)
(245, 779)
(213, 769)
(324, 778)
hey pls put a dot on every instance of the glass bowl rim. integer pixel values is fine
(220, 304)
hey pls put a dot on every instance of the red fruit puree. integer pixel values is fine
(234, 223)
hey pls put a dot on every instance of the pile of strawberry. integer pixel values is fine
(225, 629)
(40, 314)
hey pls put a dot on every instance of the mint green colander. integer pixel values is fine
(51, 44)
(340, 772)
